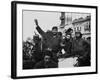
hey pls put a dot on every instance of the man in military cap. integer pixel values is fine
(51, 39)
(81, 48)
(47, 61)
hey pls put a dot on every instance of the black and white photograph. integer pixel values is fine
(56, 39)
(52, 39)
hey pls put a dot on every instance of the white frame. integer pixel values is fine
(20, 6)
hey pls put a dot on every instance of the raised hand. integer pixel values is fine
(36, 22)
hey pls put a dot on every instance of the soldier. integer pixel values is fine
(28, 60)
(69, 31)
(47, 61)
(67, 45)
(81, 48)
(51, 40)
(36, 51)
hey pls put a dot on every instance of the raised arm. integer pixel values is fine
(41, 32)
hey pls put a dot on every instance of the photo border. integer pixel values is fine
(14, 38)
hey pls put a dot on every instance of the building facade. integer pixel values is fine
(82, 25)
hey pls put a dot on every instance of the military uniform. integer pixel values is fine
(51, 41)
(81, 48)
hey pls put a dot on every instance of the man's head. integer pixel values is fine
(78, 34)
(47, 56)
(69, 31)
(36, 38)
(55, 29)
(89, 39)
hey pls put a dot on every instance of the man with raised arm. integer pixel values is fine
(51, 39)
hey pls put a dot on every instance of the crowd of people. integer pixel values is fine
(45, 51)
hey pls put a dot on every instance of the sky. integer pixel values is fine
(45, 19)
